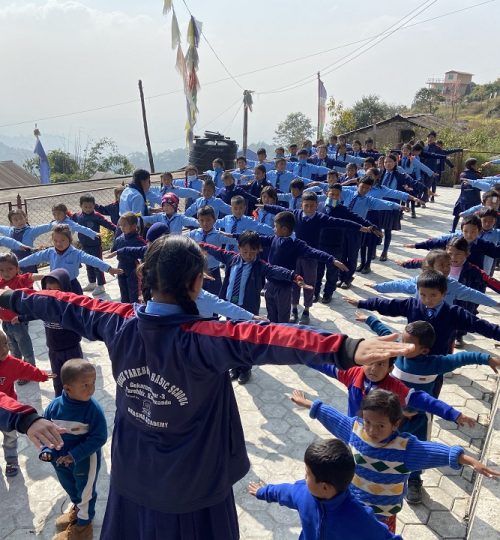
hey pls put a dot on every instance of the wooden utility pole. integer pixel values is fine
(146, 132)
(247, 105)
(318, 135)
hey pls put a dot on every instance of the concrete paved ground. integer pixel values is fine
(277, 433)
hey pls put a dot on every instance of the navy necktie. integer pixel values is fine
(234, 228)
(204, 238)
(235, 296)
(294, 204)
(278, 179)
(352, 204)
(301, 168)
(430, 312)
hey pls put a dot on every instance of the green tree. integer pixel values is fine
(370, 109)
(428, 100)
(103, 156)
(294, 129)
(341, 118)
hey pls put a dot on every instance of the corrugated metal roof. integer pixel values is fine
(12, 175)
(459, 72)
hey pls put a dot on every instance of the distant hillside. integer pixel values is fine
(18, 155)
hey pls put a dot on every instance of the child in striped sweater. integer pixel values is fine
(384, 457)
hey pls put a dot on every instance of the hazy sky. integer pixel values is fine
(63, 56)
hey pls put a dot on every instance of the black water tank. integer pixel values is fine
(211, 146)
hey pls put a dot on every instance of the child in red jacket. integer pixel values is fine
(11, 370)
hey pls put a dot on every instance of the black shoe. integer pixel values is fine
(459, 343)
(22, 382)
(234, 374)
(413, 215)
(315, 298)
(360, 267)
(326, 299)
(414, 493)
(366, 270)
(432, 199)
(346, 285)
(244, 376)
(383, 257)
(294, 318)
(304, 318)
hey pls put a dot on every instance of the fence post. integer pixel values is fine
(19, 202)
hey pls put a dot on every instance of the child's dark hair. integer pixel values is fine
(262, 169)
(168, 174)
(261, 151)
(118, 191)
(310, 196)
(471, 220)
(280, 149)
(206, 211)
(9, 258)
(393, 158)
(227, 175)
(130, 218)
(241, 158)
(16, 212)
(370, 161)
(460, 243)
(60, 207)
(423, 331)
(250, 239)
(140, 175)
(87, 198)
(432, 257)
(209, 183)
(417, 148)
(50, 280)
(337, 187)
(369, 140)
(219, 161)
(171, 265)
(330, 461)
(64, 230)
(191, 167)
(332, 173)
(491, 194)
(73, 369)
(487, 212)
(430, 279)
(280, 160)
(238, 199)
(298, 184)
(285, 219)
(368, 180)
(384, 402)
(470, 163)
(271, 192)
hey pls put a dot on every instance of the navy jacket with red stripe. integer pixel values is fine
(15, 415)
(178, 443)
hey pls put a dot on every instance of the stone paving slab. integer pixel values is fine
(278, 433)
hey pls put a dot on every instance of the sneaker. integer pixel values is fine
(294, 317)
(68, 518)
(11, 469)
(346, 285)
(366, 270)
(89, 287)
(326, 299)
(244, 376)
(76, 532)
(98, 290)
(22, 382)
(234, 374)
(414, 493)
(360, 267)
(304, 318)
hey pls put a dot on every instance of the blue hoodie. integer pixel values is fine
(340, 518)
(178, 443)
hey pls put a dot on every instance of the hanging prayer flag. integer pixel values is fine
(167, 6)
(176, 33)
(322, 95)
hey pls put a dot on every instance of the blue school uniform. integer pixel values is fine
(294, 203)
(456, 291)
(280, 180)
(133, 200)
(362, 204)
(233, 225)
(215, 238)
(325, 162)
(176, 222)
(192, 183)
(70, 260)
(86, 435)
(485, 184)
(128, 281)
(469, 195)
(25, 235)
(227, 193)
(306, 170)
(216, 176)
(445, 319)
(341, 518)
(181, 192)
(208, 304)
(219, 206)
(269, 165)
(343, 159)
(242, 176)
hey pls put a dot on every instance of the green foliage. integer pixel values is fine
(341, 119)
(103, 156)
(371, 109)
(32, 165)
(294, 129)
(482, 92)
(427, 100)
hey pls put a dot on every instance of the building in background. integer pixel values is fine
(455, 85)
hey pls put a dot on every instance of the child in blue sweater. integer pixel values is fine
(383, 455)
(64, 255)
(421, 372)
(326, 508)
(78, 462)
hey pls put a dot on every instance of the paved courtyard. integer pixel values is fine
(277, 433)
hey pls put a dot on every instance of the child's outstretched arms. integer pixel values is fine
(479, 467)
(253, 487)
(299, 398)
